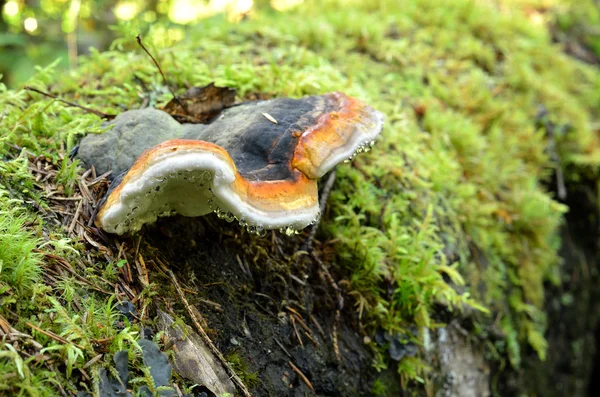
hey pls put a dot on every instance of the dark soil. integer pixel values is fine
(258, 285)
(572, 367)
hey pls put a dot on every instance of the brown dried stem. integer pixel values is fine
(89, 110)
(139, 40)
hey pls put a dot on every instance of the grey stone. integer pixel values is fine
(133, 132)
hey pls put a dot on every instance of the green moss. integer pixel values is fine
(240, 366)
(19, 265)
(454, 206)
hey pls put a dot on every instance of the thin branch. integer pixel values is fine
(301, 375)
(52, 335)
(139, 40)
(236, 379)
(89, 110)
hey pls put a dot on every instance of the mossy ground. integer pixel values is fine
(454, 207)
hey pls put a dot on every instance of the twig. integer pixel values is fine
(301, 375)
(303, 325)
(75, 217)
(316, 323)
(139, 40)
(282, 348)
(292, 317)
(143, 272)
(336, 346)
(311, 339)
(76, 198)
(93, 361)
(206, 339)
(325, 191)
(52, 335)
(90, 110)
(214, 305)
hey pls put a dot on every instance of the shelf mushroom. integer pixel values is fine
(257, 162)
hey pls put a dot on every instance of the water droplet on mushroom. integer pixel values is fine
(229, 217)
(206, 176)
(242, 222)
(260, 231)
(251, 229)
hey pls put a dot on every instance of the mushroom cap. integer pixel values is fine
(258, 162)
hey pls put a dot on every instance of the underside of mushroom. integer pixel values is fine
(257, 162)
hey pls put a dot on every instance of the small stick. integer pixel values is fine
(93, 361)
(311, 339)
(52, 335)
(143, 272)
(282, 348)
(294, 311)
(322, 203)
(336, 346)
(301, 375)
(75, 217)
(303, 325)
(76, 198)
(139, 40)
(316, 323)
(90, 110)
(206, 339)
(296, 330)
(215, 305)
(99, 178)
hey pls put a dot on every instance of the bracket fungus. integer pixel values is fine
(261, 171)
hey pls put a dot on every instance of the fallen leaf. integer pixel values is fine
(201, 103)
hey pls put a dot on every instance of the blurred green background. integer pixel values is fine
(38, 32)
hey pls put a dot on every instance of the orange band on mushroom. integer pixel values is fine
(271, 196)
(332, 132)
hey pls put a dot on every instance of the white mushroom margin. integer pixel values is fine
(192, 182)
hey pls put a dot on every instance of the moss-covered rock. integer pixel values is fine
(452, 216)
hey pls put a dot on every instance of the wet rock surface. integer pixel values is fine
(463, 371)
